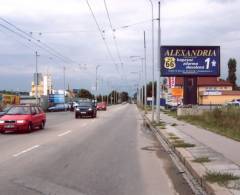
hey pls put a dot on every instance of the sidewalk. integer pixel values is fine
(222, 153)
(227, 147)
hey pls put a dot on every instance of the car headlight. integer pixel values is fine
(90, 109)
(1, 121)
(21, 121)
(77, 109)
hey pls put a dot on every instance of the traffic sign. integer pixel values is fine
(190, 60)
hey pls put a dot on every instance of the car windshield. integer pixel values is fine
(19, 110)
(85, 104)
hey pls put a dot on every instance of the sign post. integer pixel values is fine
(190, 62)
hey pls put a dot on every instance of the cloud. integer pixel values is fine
(68, 27)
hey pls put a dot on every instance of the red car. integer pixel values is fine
(101, 106)
(22, 119)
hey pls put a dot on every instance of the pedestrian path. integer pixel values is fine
(227, 147)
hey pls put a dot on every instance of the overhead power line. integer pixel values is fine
(114, 38)
(102, 36)
(21, 33)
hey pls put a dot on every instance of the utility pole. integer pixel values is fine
(142, 82)
(145, 74)
(97, 67)
(159, 64)
(36, 84)
(152, 62)
(64, 85)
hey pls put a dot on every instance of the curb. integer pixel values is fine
(196, 170)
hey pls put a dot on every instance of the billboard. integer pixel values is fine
(56, 98)
(190, 61)
(10, 99)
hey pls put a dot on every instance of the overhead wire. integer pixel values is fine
(102, 36)
(113, 34)
(38, 41)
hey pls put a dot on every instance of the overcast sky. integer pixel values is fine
(69, 28)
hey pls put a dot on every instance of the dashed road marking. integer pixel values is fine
(25, 151)
(65, 133)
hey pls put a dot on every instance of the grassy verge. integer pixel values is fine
(178, 143)
(220, 178)
(224, 121)
(203, 159)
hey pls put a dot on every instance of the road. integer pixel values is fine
(110, 155)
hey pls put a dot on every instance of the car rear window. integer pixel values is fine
(85, 103)
(19, 110)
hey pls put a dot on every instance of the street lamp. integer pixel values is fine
(97, 67)
(144, 78)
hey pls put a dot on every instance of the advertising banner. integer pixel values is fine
(10, 99)
(56, 98)
(190, 61)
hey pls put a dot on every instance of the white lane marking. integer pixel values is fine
(65, 133)
(25, 151)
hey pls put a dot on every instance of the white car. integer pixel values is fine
(234, 103)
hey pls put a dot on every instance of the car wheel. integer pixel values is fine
(76, 116)
(30, 128)
(42, 125)
(2, 132)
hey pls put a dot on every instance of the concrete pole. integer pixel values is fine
(36, 84)
(159, 65)
(64, 85)
(145, 73)
(152, 62)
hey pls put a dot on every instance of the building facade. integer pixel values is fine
(44, 86)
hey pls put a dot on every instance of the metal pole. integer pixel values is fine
(64, 86)
(36, 84)
(159, 64)
(145, 75)
(142, 82)
(152, 62)
(96, 81)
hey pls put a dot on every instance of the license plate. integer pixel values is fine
(83, 112)
(9, 126)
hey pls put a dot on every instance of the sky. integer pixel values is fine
(68, 27)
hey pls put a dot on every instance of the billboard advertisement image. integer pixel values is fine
(190, 61)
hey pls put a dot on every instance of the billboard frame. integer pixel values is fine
(163, 74)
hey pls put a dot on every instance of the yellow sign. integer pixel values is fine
(177, 92)
(10, 99)
(169, 63)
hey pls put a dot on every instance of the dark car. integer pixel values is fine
(22, 119)
(58, 108)
(87, 109)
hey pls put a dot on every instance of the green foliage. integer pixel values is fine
(220, 178)
(232, 68)
(84, 93)
(203, 159)
(225, 121)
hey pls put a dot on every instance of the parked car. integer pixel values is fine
(22, 118)
(102, 106)
(59, 107)
(234, 103)
(86, 109)
(72, 105)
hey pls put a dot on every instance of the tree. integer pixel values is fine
(232, 67)
(84, 93)
(124, 96)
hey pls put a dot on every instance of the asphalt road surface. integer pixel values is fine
(110, 155)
